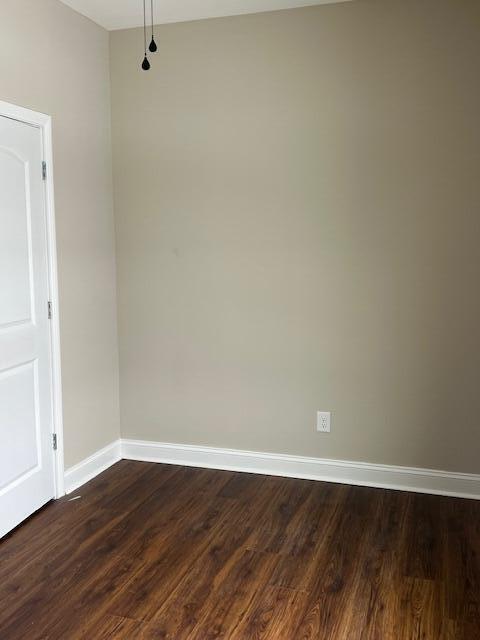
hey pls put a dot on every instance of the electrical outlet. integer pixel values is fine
(323, 421)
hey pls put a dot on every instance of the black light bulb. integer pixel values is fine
(153, 45)
(145, 64)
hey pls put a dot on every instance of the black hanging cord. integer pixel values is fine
(153, 45)
(145, 63)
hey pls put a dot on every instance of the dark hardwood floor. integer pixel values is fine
(154, 551)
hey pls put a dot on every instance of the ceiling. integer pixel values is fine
(122, 14)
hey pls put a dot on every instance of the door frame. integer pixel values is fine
(44, 123)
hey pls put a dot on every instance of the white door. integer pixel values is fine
(27, 478)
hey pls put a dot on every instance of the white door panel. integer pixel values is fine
(19, 422)
(15, 240)
(26, 453)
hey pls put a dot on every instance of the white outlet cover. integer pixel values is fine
(323, 421)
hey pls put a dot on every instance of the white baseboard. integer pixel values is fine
(340, 471)
(93, 465)
(431, 481)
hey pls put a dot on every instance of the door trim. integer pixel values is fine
(44, 123)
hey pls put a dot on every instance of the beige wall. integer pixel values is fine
(55, 61)
(297, 210)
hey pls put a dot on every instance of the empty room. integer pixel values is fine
(240, 319)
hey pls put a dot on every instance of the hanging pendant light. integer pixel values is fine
(153, 45)
(145, 63)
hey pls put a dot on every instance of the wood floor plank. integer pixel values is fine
(271, 615)
(418, 615)
(297, 569)
(173, 558)
(423, 547)
(377, 577)
(337, 564)
(184, 608)
(233, 597)
(109, 627)
(88, 602)
(151, 552)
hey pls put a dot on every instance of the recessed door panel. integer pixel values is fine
(19, 428)
(15, 240)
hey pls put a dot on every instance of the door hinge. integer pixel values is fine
(44, 170)
(50, 311)
(54, 441)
